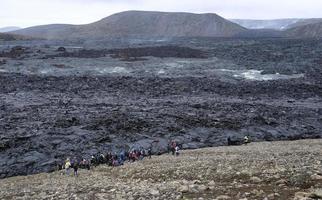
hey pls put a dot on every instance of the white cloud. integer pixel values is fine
(34, 12)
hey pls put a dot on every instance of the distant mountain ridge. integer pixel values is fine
(303, 22)
(141, 24)
(275, 24)
(9, 29)
(149, 24)
(291, 28)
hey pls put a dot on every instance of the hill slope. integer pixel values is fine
(306, 31)
(53, 31)
(269, 170)
(303, 22)
(142, 24)
(275, 24)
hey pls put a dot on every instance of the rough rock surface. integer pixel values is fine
(128, 53)
(59, 107)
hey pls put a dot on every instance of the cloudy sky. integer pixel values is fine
(26, 13)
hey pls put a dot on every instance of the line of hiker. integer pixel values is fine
(231, 142)
(110, 159)
(174, 148)
(118, 159)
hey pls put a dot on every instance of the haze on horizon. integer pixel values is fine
(24, 13)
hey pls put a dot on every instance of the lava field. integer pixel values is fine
(199, 92)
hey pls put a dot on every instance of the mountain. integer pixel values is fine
(9, 29)
(306, 31)
(292, 28)
(52, 31)
(276, 24)
(141, 24)
(303, 22)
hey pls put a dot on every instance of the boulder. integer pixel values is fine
(255, 179)
(223, 197)
(301, 196)
(316, 177)
(3, 61)
(154, 192)
(61, 49)
(183, 189)
(202, 188)
(316, 193)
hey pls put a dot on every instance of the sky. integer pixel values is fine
(25, 13)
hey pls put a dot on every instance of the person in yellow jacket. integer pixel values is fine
(67, 166)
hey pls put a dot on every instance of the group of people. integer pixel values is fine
(111, 159)
(123, 156)
(174, 148)
(119, 159)
(69, 165)
(231, 142)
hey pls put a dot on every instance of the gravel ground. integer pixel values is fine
(267, 170)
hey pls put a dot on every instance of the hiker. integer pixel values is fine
(142, 154)
(135, 155)
(75, 167)
(169, 147)
(87, 165)
(150, 153)
(67, 166)
(246, 140)
(130, 156)
(59, 165)
(177, 151)
(126, 156)
(229, 141)
(108, 158)
(115, 161)
(93, 160)
(101, 159)
(138, 155)
(173, 147)
(122, 156)
(84, 164)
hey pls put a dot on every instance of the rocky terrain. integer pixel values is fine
(267, 170)
(71, 101)
(138, 24)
